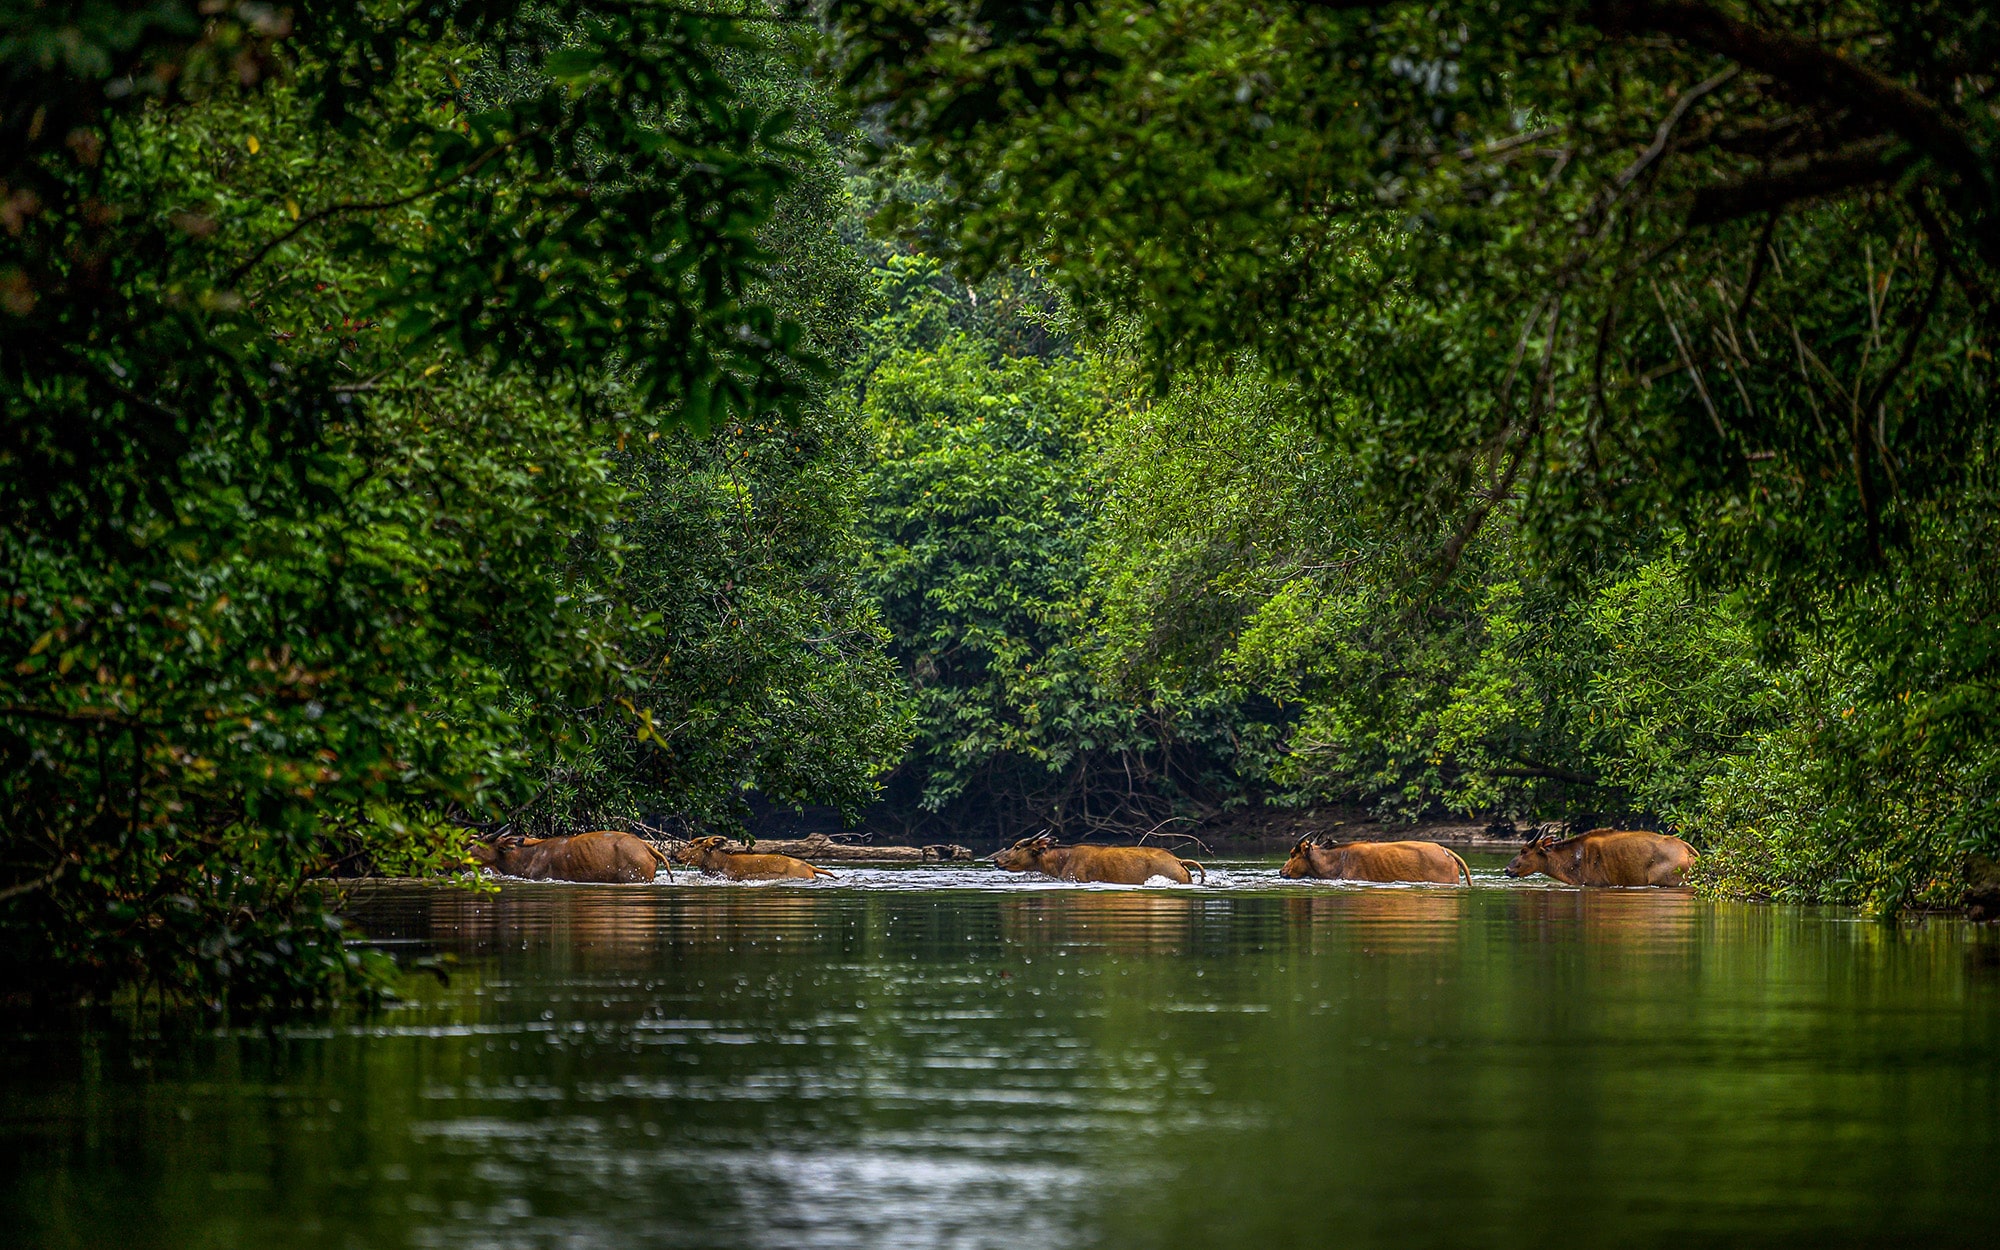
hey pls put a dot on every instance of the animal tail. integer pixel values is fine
(1188, 863)
(1462, 866)
(819, 872)
(660, 855)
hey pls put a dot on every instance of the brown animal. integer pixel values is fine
(1375, 861)
(707, 854)
(602, 855)
(1117, 865)
(1627, 857)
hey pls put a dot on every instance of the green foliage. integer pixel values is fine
(1677, 691)
(1883, 774)
(1240, 554)
(973, 513)
(763, 670)
(1703, 283)
(1453, 228)
(309, 319)
(980, 513)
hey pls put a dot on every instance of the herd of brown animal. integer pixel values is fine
(1604, 857)
(1608, 857)
(607, 857)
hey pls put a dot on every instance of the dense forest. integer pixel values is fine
(968, 418)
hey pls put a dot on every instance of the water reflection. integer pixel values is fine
(1378, 919)
(995, 1065)
(1607, 916)
(1125, 921)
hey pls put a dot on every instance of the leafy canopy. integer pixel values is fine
(319, 327)
(1727, 263)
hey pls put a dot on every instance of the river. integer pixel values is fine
(952, 1058)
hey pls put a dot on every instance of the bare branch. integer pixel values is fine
(28, 887)
(1757, 266)
(1918, 324)
(1701, 388)
(1673, 119)
(1499, 146)
(1940, 238)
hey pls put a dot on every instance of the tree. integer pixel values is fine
(980, 512)
(764, 669)
(310, 320)
(1603, 270)
(1562, 248)
(1239, 553)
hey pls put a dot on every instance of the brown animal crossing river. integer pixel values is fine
(947, 1057)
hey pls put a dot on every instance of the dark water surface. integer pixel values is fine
(929, 1058)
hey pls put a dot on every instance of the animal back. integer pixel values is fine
(1635, 857)
(1123, 865)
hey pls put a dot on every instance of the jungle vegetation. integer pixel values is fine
(1654, 338)
(967, 415)
(409, 428)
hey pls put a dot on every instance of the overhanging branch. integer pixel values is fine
(1544, 772)
(1858, 166)
(1807, 67)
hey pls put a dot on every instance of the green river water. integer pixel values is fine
(958, 1059)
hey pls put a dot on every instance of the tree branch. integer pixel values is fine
(1807, 67)
(81, 716)
(1673, 119)
(1755, 277)
(1975, 291)
(1860, 165)
(1552, 774)
(28, 887)
(1918, 324)
(371, 206)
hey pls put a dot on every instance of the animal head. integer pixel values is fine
(489, 852)
(1533, 858)
(1026, 854)
(1299, 862)
(697, 848)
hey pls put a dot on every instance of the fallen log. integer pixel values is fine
(818, 848)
